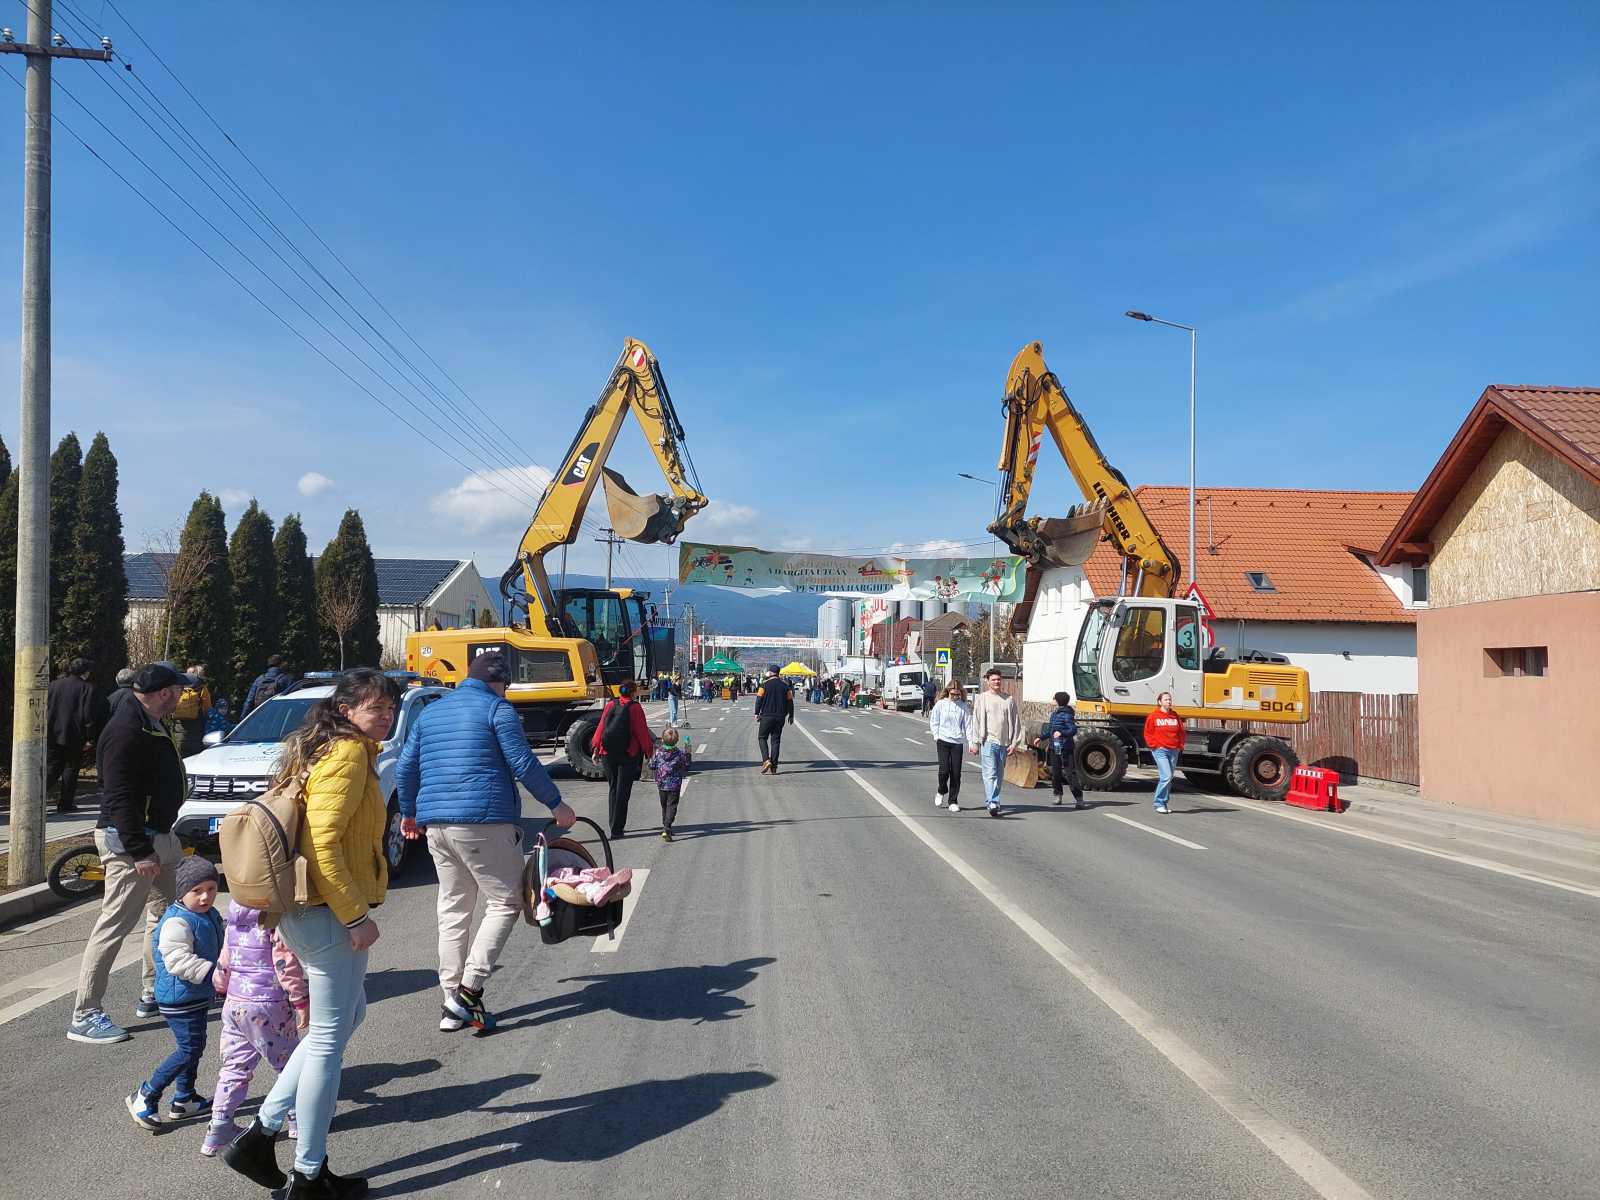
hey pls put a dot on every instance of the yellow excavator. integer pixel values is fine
(1133, 646)
(575, 646)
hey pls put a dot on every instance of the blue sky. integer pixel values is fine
(834, 224)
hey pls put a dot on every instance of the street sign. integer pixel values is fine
(1198, 597)
(941, 656)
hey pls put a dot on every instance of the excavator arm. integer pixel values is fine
(1035, 403)
(636, 384)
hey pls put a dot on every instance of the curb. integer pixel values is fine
(29, 902)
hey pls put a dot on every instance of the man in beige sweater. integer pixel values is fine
(995, 733)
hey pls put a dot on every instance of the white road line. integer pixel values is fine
(701, 749)
(61, 979)
(914, 741)
(875, 725)
(20, 931)
(1485, 864)
(1299, 1155)
(1160, 833)
(613, 944)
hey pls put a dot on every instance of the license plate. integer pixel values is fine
(216, 824)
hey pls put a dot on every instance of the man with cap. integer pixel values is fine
(141, 787)
(774, 705)
(457, 777)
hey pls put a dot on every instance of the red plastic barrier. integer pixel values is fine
(1317, 788)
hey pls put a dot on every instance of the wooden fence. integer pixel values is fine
(1355, 733)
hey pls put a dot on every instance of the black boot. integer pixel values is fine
(254, 1155)
(325, 1185)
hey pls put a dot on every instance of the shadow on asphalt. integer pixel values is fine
(585, 1128)
(386, 985)
(426, 1102)
(698, 994)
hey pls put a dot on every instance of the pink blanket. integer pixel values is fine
(595, 884)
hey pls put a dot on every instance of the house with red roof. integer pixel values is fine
(1507, 529)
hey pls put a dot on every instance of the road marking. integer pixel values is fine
(20, 931)
(875, 725)
(60, 979)
(914, 741)
(1299, 1155)
(701, 749)
(612, 944)
(1486, 864)
(841, 729)
(1160, 833)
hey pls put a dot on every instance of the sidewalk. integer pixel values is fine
(60, 825)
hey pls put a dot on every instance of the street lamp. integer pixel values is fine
(1139, 316)
(994, 551)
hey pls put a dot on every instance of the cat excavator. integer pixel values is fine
(1144, 641)
(575, 646)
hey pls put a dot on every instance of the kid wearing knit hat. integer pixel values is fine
(187, 944)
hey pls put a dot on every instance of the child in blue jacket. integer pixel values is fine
(1060, 733)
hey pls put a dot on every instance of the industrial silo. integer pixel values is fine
(932, 609)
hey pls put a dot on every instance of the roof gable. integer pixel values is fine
(1307, 543)
(1566, 421)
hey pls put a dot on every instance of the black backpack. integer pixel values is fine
(616, 734)
(270, 686)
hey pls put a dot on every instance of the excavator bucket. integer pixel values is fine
(1066, 541)
(647, 518)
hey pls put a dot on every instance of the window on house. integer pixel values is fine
(1419, 584)
(1515, 661)
(1260, 581)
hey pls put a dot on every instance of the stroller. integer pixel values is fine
(571, 914)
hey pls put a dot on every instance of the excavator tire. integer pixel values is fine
(1102, 760)
(1261, 767)
(578, 757)
(1208, 781)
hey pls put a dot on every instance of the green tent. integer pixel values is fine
(722, 665)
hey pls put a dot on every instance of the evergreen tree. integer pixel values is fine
(256, 622)
(297, 597)
(90, 623)
(347, 597)
(8, 607)
(5, 462)
(66, 473)
(202, 608)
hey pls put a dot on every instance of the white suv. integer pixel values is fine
(239, 764)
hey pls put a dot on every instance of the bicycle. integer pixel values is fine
(77, 872)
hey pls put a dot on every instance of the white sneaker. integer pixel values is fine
(449, 1022)
(938, 800)
(954, 807)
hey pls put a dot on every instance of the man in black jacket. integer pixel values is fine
(73, 715)
(774, 705)
(141, 787)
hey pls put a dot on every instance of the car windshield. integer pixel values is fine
(272, 721)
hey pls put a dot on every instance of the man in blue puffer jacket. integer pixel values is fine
(457, 777)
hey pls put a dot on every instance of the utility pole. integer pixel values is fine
(32, 677)
(611, 540)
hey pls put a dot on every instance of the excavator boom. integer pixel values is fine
(1036, 403)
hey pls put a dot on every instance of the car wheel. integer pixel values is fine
(395, 847)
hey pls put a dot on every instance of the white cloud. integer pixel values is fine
(234, 498)
(719, 516)
(313, 483)
(484, 500)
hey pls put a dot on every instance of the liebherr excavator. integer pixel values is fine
(576, 645)
(1143, 641)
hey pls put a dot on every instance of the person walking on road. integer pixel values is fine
(949, 723)
(1057, 744)
(670, 763)
(928, 692)
(621, 741)
(774, 706)
(457, 778)
(1163, 734)
(73, 716)
(141, 787)
(674, 691)
(995, 734)
(341, 837)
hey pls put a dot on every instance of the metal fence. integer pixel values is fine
(1355, 733)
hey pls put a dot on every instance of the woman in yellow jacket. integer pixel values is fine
(335, 751)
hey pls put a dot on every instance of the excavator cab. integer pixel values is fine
(614, 623)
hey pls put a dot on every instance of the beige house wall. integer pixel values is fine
(1529, 746)
(1526, 523)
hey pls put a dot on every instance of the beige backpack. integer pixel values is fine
(261, 857)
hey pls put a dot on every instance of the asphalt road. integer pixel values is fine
(829, 987)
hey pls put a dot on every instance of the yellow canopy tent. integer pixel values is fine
(796, 668)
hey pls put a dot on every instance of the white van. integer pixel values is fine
(902, 686)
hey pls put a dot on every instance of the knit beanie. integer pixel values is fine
(192, 872)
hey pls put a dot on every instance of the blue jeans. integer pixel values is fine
(1166, 763)
(189, 1030)
(672, 710)
(992, 762)
(309, 1083)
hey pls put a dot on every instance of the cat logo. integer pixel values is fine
(579, 471)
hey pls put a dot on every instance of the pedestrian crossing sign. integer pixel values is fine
(941, 656)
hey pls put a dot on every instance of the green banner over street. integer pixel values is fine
(747, 569)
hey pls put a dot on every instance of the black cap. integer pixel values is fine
(772, 668)
(490, 668)
(625, 688)
(157, 676)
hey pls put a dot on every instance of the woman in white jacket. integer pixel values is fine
(950, 723)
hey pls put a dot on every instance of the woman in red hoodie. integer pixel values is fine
(1163, 733)
(621, 741)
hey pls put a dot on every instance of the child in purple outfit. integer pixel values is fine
(671, 765)
(266, 1010)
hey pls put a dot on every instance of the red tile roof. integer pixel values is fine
(1305, 541)
(1566, 421)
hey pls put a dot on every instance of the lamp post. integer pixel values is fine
(994, 550)
(1140, 316)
